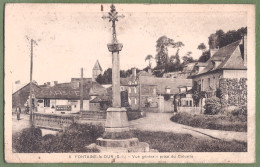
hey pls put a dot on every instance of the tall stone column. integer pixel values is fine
(117, 137)
(114, 49)
(116, 121)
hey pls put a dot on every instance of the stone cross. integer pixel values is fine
(115, 47)
(113, 17)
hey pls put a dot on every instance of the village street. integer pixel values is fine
(19, 125)
(161, 122)
(154, 122)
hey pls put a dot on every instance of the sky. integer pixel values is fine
(71, 36)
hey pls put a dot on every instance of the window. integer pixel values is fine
(46, 102)
(135, 101)
(129, 90)
(129, 100)
(135, 89)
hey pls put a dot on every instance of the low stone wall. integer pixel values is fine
(53, 121)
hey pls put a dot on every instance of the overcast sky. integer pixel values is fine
(74, 36)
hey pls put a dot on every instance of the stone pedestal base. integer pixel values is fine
(120, 145)
(117, 137)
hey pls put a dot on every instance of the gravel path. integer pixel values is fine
(162, 122)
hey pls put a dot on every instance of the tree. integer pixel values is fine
(149, 58)
(106, 78)
(220, 38)
(202, 46)
(175, 58)
(187, 58)
(174, 64)
(204, 57)
(162, 45)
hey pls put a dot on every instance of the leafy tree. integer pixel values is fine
(174, 64)
(220, 38)
(187, 58)
(175, 58)
(106, 78)
(202, 46)
(149, 58)
(162, 45)
(205, 56)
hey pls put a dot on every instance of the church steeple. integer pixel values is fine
(97, 69)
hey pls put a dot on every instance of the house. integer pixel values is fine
(102, 101)
(59, 98)
(226, 73)
(166, 89)
(62, 98)
(149, 93)
(184, 97)
(20, 97)
(132, 85)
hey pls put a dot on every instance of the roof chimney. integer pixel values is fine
(55, 82)
(134, 73)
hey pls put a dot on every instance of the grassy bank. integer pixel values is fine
(216, 122)
(78, 136)
(170, 142)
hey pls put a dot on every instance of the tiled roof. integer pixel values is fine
(62, 91)
(96, 88)
(227, 57)
(103, 97)
(162, 83)
(68, 91)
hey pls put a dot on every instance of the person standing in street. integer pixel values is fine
(18, 112)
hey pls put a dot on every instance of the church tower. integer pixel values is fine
(97, 69)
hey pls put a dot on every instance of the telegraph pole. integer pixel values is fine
(31, 91)
(81, 91)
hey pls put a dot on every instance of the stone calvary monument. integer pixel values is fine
(117, 136)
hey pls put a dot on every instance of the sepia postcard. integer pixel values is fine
(129, 83)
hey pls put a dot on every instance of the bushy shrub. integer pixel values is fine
(241, 111)
(28, 141)
(74, 139)
(212, 106)
(133, 114)
(217, 122)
